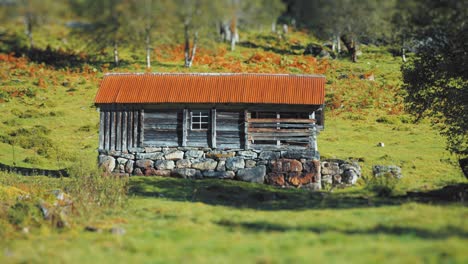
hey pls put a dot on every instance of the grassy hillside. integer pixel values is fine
(49, 121)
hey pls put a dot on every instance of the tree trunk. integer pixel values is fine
(403, 54)
(116, 54)
(233, 29)
(464, 165)
(194, 49)
(28, 28)
(187, 46)
(351, 46)
(273, 27)
(148, 49)
(338, 44)
(148, 33)
(353, 50)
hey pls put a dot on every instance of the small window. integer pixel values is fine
(199, 119)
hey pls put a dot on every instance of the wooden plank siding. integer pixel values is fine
(119, 128)
(268, 133)
(162, 128)
(229, 130)
(125, 127)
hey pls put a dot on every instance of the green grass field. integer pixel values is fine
(49, 121)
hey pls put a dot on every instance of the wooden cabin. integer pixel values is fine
(210, 110)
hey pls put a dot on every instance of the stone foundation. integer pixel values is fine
(295, 168)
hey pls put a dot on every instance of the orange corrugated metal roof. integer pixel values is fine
(211, 88)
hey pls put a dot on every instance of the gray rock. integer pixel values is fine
(183, 163)
(128, 156)
(121, 161)
(204, 164)
(174, 155)
(256, 174)
(301, 154)
(194, 154)
(107, 163)
(250, 163)
(164, 164)
(117, 231)
(269, 155)
(151, 156)
(138, 172)
(218, 154)
(151, 150)
(391, 170)
(349, 177)
(129, 166)
(330, 168)
(144, 163)
(221, 165)
(235, 163)
(327, 179)
(185, 173)
(219, 174)
(248, 154)
(164, 173)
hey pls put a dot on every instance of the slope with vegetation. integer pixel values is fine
(49, 121)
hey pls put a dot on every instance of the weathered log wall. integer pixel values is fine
(126, 127)
(120, 127)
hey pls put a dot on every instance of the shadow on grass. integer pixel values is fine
(449, 231)
(246, 195)
(263, 197)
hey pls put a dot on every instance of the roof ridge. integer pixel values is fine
(213, 74)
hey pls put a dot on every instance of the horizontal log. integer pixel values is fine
(259, 125)
(228, 146)
(158, 143)
(280, 134)
(280, 120)
(270, 137)
(260, 130)
(275, 147)
(161, 127)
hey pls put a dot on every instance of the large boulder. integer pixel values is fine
(219, 174)
(151, 156)
(186, 173)
(183, 163)
(204, 164)
(235, 163)
(256, 174)
(174, 155)
(107, 163)
(301, 154)
(248, 154)
(144, 163)
(193, 154)
(129, 166)
(285, 165)
(277, 179)
(390, 170)
(164, 164)
(218, 154)
(269, 155)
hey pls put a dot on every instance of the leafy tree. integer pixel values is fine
(349, 20)
(436, 79)
(108, 22)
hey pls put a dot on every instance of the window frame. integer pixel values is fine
(203, 122)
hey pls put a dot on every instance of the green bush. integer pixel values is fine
(92, 189)
(382, 186)
(24, 213)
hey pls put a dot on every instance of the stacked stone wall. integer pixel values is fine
(294, 168)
